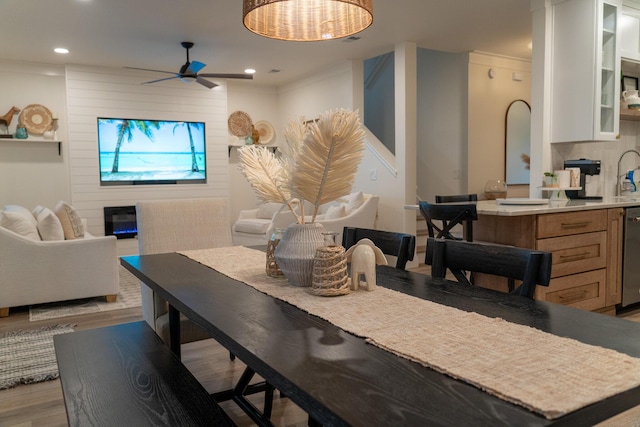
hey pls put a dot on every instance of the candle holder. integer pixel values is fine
(330, 276)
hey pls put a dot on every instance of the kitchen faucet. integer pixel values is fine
(618, 175)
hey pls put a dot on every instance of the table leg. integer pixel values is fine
(174, 330)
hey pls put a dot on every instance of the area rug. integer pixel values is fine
(28, 356)
(128, 297)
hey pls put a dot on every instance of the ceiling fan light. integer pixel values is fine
(307, 20)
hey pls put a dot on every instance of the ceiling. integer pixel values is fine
(147, 34)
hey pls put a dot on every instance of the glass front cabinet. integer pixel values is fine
(585, 77)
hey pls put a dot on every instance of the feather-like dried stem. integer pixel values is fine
(265, 174)
(327, 164)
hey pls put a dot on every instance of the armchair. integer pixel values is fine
(358, 210)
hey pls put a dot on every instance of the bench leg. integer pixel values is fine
(111, 298)
(4, 311)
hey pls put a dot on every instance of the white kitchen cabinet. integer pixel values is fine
(630, 33)
(585, 77)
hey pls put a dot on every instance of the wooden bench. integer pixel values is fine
(125, 375)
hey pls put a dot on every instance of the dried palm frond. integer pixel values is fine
(266, 175)
(327, 163)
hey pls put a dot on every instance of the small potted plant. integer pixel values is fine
(550, 180)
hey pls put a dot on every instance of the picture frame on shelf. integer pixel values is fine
(629, 83)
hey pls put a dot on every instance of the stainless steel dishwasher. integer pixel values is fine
(631, 257)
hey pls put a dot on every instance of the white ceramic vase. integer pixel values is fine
(296, 250)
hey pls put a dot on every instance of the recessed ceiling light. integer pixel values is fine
(250, 71)
(61, 50)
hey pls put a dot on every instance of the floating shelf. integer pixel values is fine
(35, 139)
(273, 148)
(629, 114)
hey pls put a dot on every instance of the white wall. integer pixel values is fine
(341, 87)
(442, 124)
(32, 173)
(488, 101)
(261, 103)
(104, 92)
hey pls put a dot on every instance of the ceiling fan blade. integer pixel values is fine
(205, 82)
(147, 69)
(159, 80)
(227, 76)
(194, 67)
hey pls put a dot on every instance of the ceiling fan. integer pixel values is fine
(189, 72)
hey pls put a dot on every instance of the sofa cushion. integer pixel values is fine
(252, 226)
(70, 220)
(335, 212)
(20, 223)
(49, 226)
(267, 210)
(354, 201)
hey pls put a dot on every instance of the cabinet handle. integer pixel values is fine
(574, 224)
(574, 257)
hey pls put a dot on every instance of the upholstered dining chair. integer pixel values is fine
(530, 266)
(400, 245)
(175, 225)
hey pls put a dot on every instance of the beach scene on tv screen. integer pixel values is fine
(151, 150)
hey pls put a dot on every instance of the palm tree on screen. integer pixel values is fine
(189, 126)
(125, 130)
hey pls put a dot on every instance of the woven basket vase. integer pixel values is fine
(296, 250)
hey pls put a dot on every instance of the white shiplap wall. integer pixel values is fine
(106, 92)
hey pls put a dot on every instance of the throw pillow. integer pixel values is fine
(21, 210)
(49, 226)
(354, 201)
(70, 220)
(267, 210)
(19, 223)
(335, 212)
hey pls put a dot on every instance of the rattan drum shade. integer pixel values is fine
(307, 20)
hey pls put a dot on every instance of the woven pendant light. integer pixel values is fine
(307, 20)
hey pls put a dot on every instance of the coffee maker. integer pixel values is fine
(587, 167)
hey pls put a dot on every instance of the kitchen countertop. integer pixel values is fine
(491, 207)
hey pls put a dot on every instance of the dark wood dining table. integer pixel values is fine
(340, 379)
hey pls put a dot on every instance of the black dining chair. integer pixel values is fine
(400, 245)
(457, 198)
(449, 215)
(530, 266)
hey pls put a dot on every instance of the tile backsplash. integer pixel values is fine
(608, 152)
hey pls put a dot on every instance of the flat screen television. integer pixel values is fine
(135, 152)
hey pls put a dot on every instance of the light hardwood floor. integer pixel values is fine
(42, 404)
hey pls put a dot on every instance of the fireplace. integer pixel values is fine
(120, 221)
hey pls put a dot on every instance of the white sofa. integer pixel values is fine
(33, 271)
(255, 226)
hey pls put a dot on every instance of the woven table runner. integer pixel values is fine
(560, 375)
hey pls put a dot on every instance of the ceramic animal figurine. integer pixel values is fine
(6, 119)
(364, 256)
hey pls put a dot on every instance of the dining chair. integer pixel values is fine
(400, 245)
(449, 215)
(457, 198)
(186, 224)
(530, 266)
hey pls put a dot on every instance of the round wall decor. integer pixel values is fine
(239, 124)
(36, 118)
(266, 131)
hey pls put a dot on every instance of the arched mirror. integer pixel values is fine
(518, 141)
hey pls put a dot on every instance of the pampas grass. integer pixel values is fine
(318, 164)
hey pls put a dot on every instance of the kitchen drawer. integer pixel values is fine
(576, 254)
(569, 223)
(584, 290)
